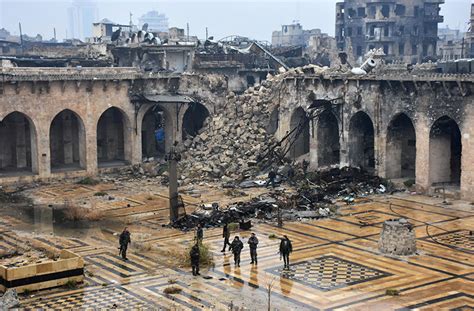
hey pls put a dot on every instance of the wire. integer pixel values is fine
(460, 249)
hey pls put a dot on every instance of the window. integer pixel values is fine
(372, 31)
(359, 31)
(371, 47)
(415, 30)
(386, 49)
(351, 13)
(414, 49)
(386, 10)
(361, 12)
(401, 49)
(416, 11)
(402, 30)
(386, 31)
(400, 10)
(359, 50)
(372, 10)
(349, 32)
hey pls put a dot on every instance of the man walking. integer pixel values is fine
(236, 247)
(271, 178)
(124, 240)
(195, 257)
(199, 233)
(253, 242)
(226, 236)
(285, 249)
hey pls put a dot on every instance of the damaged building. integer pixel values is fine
(397, 125)
(406, 30)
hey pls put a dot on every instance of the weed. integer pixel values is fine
(104, 284)
(233, 226)
(172, 281)
(182, 257)
(71, 284)
(409, 183)
(88, 181)
(272, 236)
(100, 194)
(26, 292)
(392, 292)
(150, 198)
(171, 290)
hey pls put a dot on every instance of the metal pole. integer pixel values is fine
(173, 159)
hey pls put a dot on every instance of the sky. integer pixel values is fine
(254, 19)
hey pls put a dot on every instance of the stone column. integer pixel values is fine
(422, 172)
(467, 171)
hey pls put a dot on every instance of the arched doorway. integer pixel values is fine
(194, 119)
(17, 144)
(67, 141)
(361, 141)
(401, 148)
(300, 137)
(153, 133)
(445, 152)
(110, 138)
(274, 121)
(328, 139)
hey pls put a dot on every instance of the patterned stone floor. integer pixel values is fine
(335, 264)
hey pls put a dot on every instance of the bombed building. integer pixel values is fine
(406, 30)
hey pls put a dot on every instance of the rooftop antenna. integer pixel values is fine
(207, 34)
(21, 35)
(54, 29)
(131, 23)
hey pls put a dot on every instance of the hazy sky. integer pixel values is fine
(255, 19)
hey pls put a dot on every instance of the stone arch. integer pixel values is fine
(361, 141)
(194, 119)
(67, 141)
(299, 125)
(445, 152)
(113, 137)
(328, 139)
(153, 132)
(401, 148)
(274, 121)
(18, 145)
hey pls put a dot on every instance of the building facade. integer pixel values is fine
(156, 22)
(407, 30)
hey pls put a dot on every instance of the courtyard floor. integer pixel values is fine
(335, 263)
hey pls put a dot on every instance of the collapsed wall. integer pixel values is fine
(230, 142)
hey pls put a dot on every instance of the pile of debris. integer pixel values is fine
(316, 197)
(229, 144)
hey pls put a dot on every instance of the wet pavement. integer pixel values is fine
(335, 263)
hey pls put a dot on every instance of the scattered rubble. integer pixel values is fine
(9, 300)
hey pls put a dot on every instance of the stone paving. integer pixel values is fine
(335, 264)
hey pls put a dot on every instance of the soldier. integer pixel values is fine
(226, 236)
(124, 240)
(236, 248)
(199, 233)
(285, 249)
(253, 242)
(195, 257)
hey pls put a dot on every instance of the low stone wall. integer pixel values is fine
(69, 267)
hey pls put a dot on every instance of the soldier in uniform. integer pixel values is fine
(236, 247)
(253, 242)
(195, 257)
(124, 240)
(226, 236)
(285, 249)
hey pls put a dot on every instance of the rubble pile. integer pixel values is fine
(228, 145)
(346, 183)
(316, 197)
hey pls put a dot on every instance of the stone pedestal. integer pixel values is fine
(397, 238)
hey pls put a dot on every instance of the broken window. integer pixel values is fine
(372, 11)
(250, 80)
(400, 10)
(328, 139)
(401, 148)
(445, 152)
(361, 12)
(349, 31)
(385, 11)
(416, 11)
(414, 49)
(372, 31)
(17, 141)
(415, 30)
(66, 140)
(401, 30)
(386, 49)
(401, 49)
(386, 31)
(351, 12)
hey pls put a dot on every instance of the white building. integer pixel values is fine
(81, 15)
(156, 22)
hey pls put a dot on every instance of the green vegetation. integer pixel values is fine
(88, 181)
(71, 284)
(172, 290)
(272, 236)
(409, 183)
(392, 292)
(100, 194)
